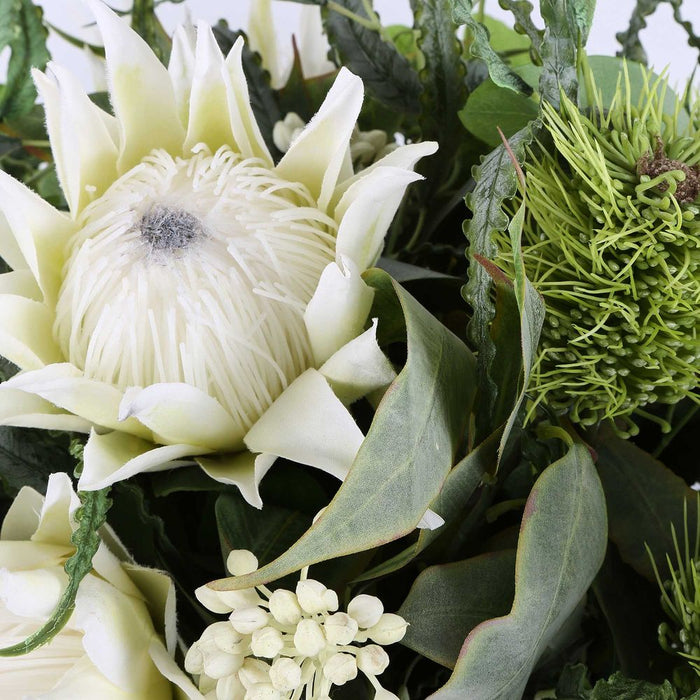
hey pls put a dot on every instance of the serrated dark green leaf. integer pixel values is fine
(629, 39)
(27, 457)
(262, 98)
(22, 29)
(617, 687)
(387, 75)
(90, 516)
(522, 13)
(496, 182)
(499, 71)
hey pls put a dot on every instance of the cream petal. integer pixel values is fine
(9, 248)
(26, 337)
(25, 556)
(313, 44)
(35, 592)
(20, 283)
(117, 456)
(178, 413)
(181, 68)
(209, 120)
(338, 309)
(84, 150)
(246, 132)
(320, 156)
(170, 670)
(358, 368)
(365, 212)
(308, 424)
(111, 569)
(55, 521)
(243, 470)
(140, 90)
(263, 38)
(40, 233)
(22, 518)
(65, 386)
(404, 157)
(25, 410)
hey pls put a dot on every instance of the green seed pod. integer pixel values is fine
(611, 241)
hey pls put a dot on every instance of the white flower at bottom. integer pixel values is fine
(198, 301)
(110, 648)
(303, 650)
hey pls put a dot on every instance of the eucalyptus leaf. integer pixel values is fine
(446, 602)
(644, 499)
(491, 107)
(408, 451)
(387, 75)
(561, 547)
(23, 31)
(499, 71)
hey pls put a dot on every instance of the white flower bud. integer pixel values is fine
(262, 691)
(340, 628)
(285, 674)
(246, 598)
(254, 672)
(284, 607)
(247, 620)
(390, 629)
(315, 598)
(194, 660)
(372, 660)
(366, 609)
(340, 668)
(241, 562)
(229, 687)
(309, 639)
(286, 130)
(224, 637)
(266, 642)
(219, 664)
(211, 600)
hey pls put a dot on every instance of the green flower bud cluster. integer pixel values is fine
(611, 241)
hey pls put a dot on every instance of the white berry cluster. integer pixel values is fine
(282, 644)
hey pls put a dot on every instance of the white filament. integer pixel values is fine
(196, 270)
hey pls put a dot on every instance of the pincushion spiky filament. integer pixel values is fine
(612, 242)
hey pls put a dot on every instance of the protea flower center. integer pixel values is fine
(199, 271)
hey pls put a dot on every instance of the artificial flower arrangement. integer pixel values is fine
(283, 418)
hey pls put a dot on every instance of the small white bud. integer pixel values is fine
(254, 672)
(285, 674)
(390, 629)
(284, 607)
(309, 639)
(225, 637)
(219, 664)
(340, 668)
(246, 598)
(211, 600)
(340, 628)
(366, 609)
(285, 131)
(229, 687)
(194, 660)
(372, 660)
(241, 562)
(315, 598)
(266, 642)
(247, 620)
(262, 691)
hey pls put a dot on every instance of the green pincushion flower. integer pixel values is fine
(612, 242)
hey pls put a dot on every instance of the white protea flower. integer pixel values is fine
(119, 642)
(197, 299)
(283, 644)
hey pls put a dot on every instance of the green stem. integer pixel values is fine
(367, 23)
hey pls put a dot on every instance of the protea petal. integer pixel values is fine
(308, 424)
(181, 68)
(25, 410)
(246, 132)
(209, 120)
(55, 525)
(40, 234)
(243, 470)
(178, 413)
(358, 368)
(366, 210)
(338, 309)
(22, 518)
(82, 144)
(25, 332)
(140, 90)
(320, 156)
(65, 386)
(262, 38)
(20, 283)
(117, 456)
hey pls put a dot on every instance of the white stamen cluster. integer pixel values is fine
(196, 270)
(282, 644)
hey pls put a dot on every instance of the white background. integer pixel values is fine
(664, 41)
